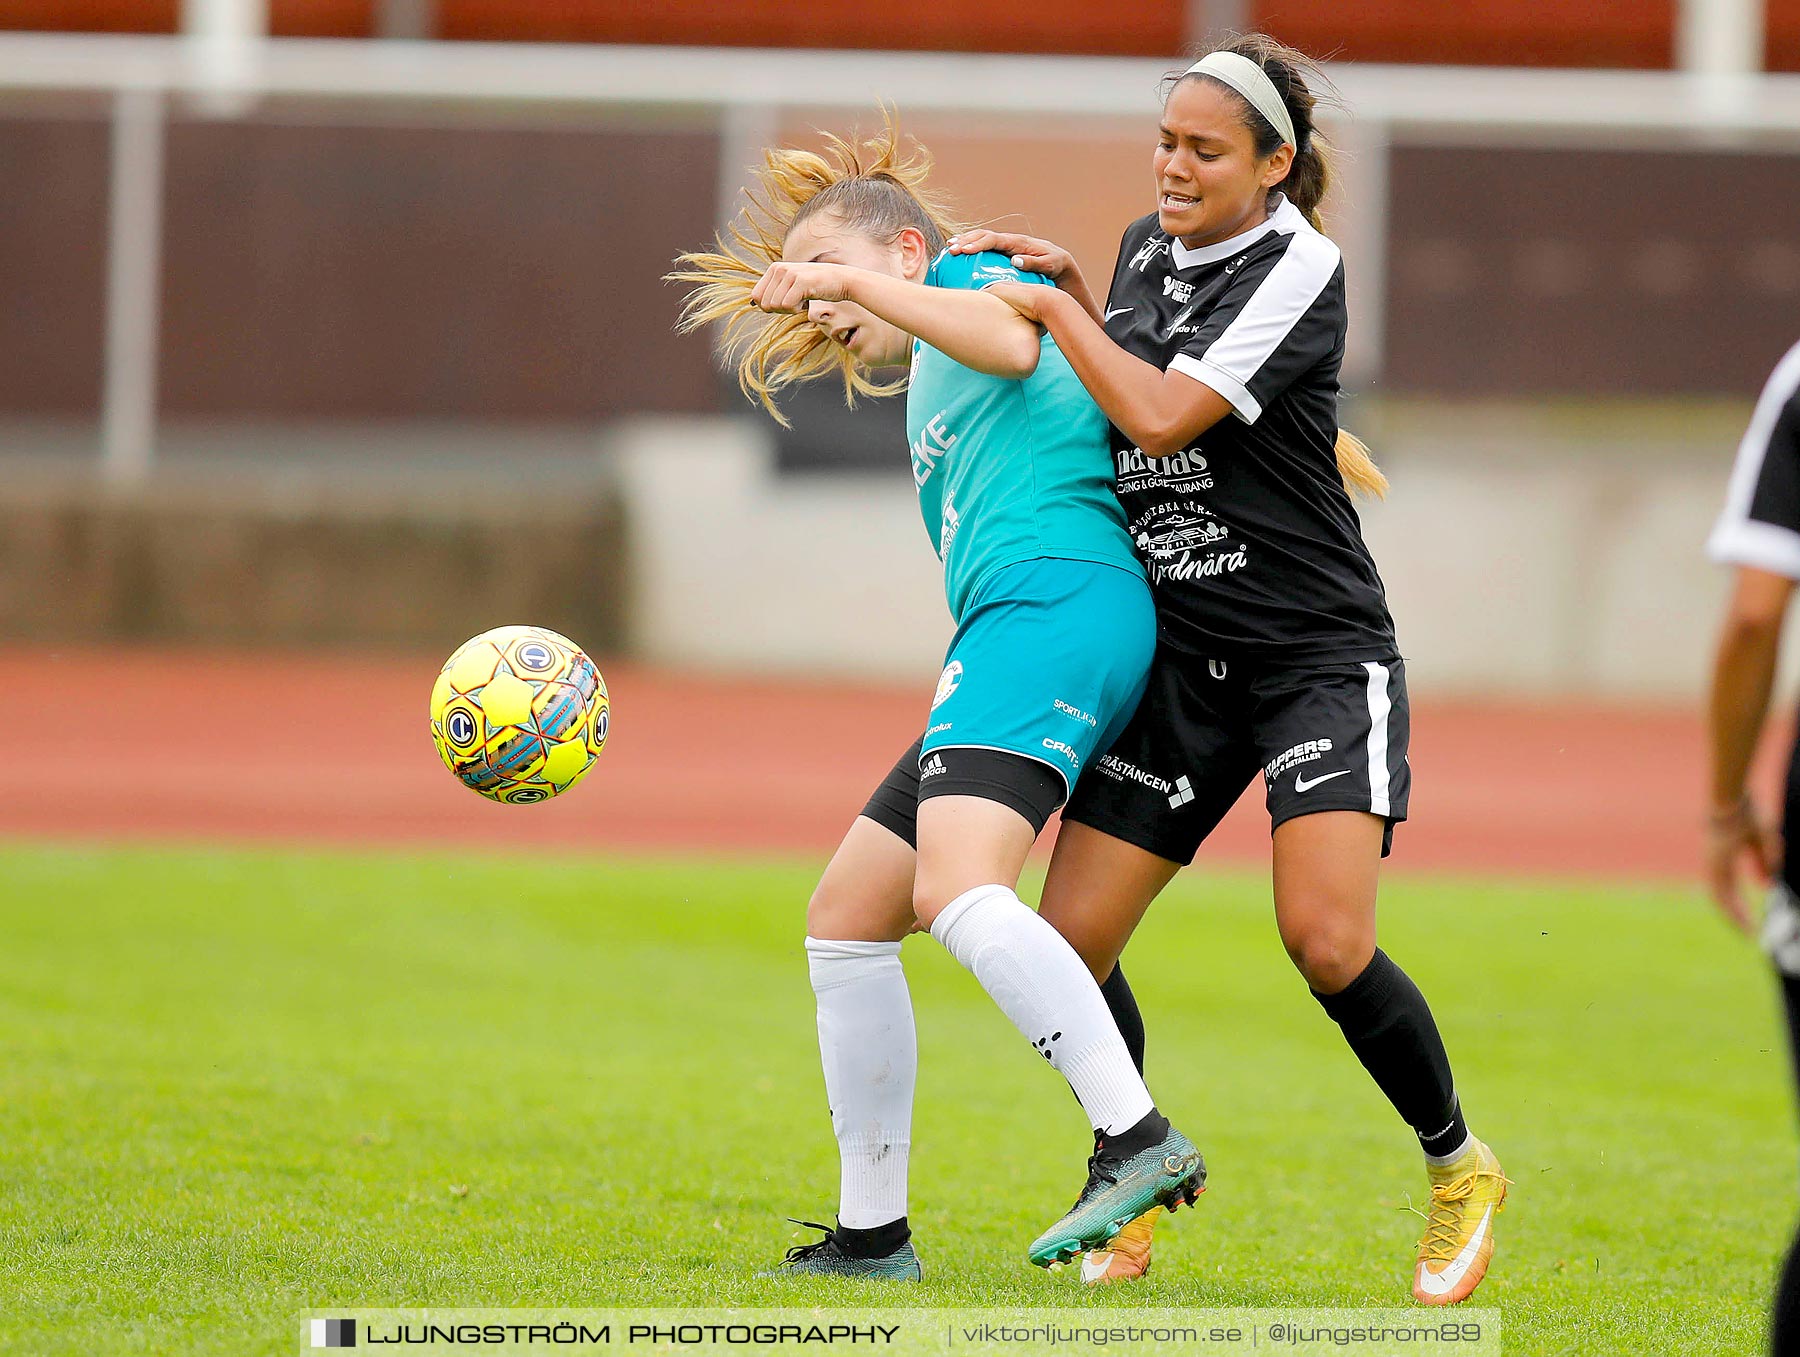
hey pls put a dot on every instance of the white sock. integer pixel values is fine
(1034, 975)
(871, 1060)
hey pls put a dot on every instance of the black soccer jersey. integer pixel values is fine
(1761, 522)
(1251, 542)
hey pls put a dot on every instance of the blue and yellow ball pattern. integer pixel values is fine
(519, 714)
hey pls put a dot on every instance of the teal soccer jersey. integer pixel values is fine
(1008, 469)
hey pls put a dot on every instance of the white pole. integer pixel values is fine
(745, 132)
(133, 283)
(1359, 224)
(1719, 43)
(1206, 19)
(1720, 37)
(224, 40)
(408, 20)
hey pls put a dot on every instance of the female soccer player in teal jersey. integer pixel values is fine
(840, 266)
(1216, 358)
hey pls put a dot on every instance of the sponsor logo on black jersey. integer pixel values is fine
(1176, 533)
(1147, 252)
(1176, 542)
(1187, 466)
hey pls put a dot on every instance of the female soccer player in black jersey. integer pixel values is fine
(1759, 534)
(1216, 358)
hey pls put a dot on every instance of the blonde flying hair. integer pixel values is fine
(875, 187)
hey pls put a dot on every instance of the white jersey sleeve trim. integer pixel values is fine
(1763, 545)
(1243, 404)
(1280, 300)
(1738, 539)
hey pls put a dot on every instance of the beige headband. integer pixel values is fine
(1250, 80)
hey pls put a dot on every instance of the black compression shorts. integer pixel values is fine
(1032, 788)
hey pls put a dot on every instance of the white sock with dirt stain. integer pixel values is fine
(871, 1059)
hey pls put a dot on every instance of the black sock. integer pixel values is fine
(878, 1241)
(1784, 1328)
(1784, 1325)
(1388, 1024)
(1122, 1004)
(1150, 1130)
(1790, 1003)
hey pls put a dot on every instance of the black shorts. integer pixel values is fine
(1790, 825)
(1031, 787)
(1325, 737)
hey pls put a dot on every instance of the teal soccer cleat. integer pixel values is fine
(1120, 1188)
(826, 1258)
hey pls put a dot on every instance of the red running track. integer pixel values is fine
(202, 746)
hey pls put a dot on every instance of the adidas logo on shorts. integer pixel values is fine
(932, 767)
(1184, 793)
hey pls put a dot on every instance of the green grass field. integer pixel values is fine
(239, 1085)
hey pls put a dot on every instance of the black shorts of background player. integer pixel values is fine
(1216, 356)
(1759, 533)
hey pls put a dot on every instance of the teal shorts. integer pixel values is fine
(1049, 663)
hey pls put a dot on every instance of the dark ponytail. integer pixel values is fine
(1309, 177)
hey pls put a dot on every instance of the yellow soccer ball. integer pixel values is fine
(519, 714)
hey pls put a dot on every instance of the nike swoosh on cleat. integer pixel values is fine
(1094, 1265)
(1442, 1283)
(1302, 785)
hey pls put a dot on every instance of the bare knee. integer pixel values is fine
(966, 843)
(1328, 957)
(1098, 950)
(865, 892)
(936, 888)
(849, 915)
(827, 912)
(939, 881)
(929, 900)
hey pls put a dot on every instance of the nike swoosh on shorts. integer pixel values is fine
(1302, 785)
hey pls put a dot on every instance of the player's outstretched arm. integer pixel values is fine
(1035, 256)
(1161, 412)
(973, 328)
(1743, 675)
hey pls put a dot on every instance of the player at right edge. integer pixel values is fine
(1759, 534)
